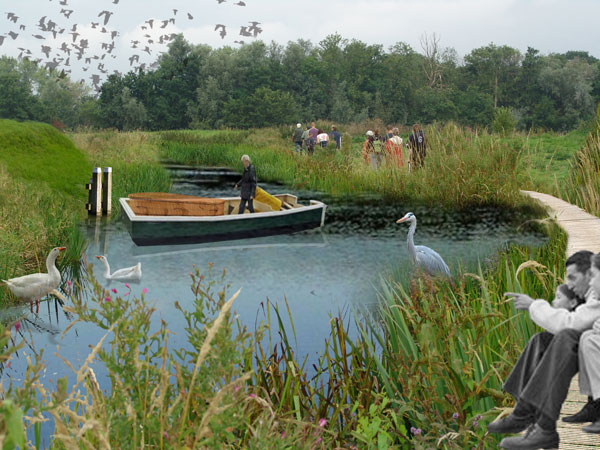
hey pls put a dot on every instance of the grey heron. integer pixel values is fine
(423, 256)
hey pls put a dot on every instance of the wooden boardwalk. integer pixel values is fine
(583, 231)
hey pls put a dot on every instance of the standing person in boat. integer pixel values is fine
(248, 184)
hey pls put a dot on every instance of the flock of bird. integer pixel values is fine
(62, 42)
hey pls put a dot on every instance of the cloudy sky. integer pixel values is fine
(548, 25)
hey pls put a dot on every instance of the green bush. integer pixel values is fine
(504, 121)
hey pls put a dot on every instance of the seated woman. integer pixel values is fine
(248, 184)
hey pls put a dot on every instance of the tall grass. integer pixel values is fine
(133, 157)
(431, 357)
(582, 187)
(462, 169)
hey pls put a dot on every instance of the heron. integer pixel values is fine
(423, 256)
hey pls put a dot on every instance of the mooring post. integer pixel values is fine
(107, 190)
(94, 205)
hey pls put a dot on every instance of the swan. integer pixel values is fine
(133, 273)
(37, 285)
(421, 255)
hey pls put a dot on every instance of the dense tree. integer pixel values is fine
(261, 84)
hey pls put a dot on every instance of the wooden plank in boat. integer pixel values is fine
(165, 204)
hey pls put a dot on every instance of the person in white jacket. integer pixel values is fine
(589, 364)
(541, 377)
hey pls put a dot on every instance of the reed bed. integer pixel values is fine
(462, 169)
(427, 367)
(582, 186)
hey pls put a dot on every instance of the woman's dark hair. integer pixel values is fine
(595, 260)
(566, 291)
(582, 260)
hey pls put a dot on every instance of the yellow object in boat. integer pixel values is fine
(267, 199)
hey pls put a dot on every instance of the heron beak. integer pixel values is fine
(99, 257)
(62, 249)
(401, 220)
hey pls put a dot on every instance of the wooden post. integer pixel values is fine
(107, 190)
(94, 205)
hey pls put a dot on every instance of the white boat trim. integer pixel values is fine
(314, 205)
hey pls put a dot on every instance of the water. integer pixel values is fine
(319, 272)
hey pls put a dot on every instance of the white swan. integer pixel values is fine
(37, 285)
(133, 273)
(421, 255)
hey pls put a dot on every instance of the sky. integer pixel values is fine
(547, 25)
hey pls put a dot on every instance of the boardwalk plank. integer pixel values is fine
(583, 231)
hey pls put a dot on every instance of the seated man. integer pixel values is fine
(589, 364)
(540, 379)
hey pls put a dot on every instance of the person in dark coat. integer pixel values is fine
(248, 184)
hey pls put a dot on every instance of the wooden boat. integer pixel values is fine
(175, 228)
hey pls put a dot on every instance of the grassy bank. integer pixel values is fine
(42, 198)
(133, 157)
(463, 168)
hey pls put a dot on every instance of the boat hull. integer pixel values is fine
(157, 230)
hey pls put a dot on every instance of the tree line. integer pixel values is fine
(260, 84)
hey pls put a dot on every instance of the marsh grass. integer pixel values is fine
(462, 168)
(432, 357)
(196, 396)
(133, 157)
(582, 186)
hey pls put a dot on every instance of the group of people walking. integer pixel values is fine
(307, 139)
(540, 379)
(378, 150)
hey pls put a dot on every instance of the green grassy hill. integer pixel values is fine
(38, 152)
(42, 197)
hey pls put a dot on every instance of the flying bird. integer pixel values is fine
(190, 16)
(106, 15)
(21, 27)
(74, 36)
(46, 50)
(2, 41)
(423, 256)
(244, 31)
(222, 33)
(221, 1)
(240, 3)
(175, 12)
(37, 36)
(11, 16)
(66, 12)
(150, 22)
(63, 2)
(13, 35)
(115, 1)
(133, 58)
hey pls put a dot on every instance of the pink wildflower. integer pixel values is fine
(127, 285)
(144, 291)
(166, 435)
(107, 299)
(114, 291)
(69, 283)
(17, 326)
(322, 422)
(319, 440)
(455, 416)
(282, 434)
(252, 395)
(236, 389)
